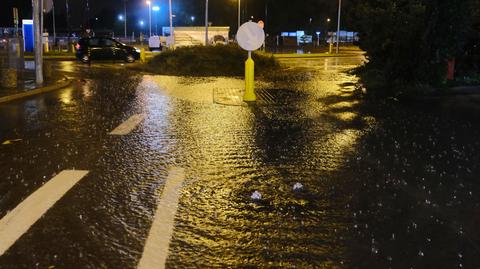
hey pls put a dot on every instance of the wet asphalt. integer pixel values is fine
(384, 184)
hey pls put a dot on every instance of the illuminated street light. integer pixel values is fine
(120, 17)
(192, 18)
(142, 23)
(156, 9)
(149, 3)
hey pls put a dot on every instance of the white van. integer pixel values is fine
(154, 43)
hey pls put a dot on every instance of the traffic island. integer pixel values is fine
(56, 86)
(204, 61)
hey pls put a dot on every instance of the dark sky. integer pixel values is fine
(283, 15)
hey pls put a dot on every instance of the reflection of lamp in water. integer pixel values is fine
(66, 97)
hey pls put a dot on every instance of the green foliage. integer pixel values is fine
(409, 42)
(221, 60)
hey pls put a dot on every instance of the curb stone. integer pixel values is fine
(56, 86)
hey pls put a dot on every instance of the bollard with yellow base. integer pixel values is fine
(330, 49)
(249, 80)
(142, 55)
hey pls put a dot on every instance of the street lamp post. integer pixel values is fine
(156, 9)
(37, 28)
(149, 3)
(239, 13)
(125, 17)
(338, 24)
(206, 22)
(172, 37)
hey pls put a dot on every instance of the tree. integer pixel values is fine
(408, 42)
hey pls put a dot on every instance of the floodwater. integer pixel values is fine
(378, 184)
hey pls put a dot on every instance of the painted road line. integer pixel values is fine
(9, 142)
(19, 220)
(128, 126)
(155, 251)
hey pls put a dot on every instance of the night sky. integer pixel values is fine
(283, 15)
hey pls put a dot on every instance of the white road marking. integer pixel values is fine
(128, 126)
(155, 251)
(19, 220)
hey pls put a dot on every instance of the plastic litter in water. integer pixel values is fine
(298, 186)
(256, 195)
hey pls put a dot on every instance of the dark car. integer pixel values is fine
(104, 48)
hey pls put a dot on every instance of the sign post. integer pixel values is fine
(250, 37)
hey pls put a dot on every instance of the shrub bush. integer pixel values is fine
(221, 60)
(409, 42)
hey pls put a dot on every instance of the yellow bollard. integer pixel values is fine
(249, 80)
(330, 49)
(142, 55)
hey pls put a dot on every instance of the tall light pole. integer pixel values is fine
(54, 26)
(338, 24)
(239, 13)
(149, 3)
(125, 17)
(206, 22)
(156, 9)
(172, 36)
(37, 28)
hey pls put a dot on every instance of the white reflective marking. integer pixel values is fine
(19, 220)
(155, 251)
(128, 126)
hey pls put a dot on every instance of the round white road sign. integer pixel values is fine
(250, 36)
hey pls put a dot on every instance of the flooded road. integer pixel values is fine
(317, 178)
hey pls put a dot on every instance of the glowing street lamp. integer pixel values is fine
(120, 17)
(149, 3)
(156, 9)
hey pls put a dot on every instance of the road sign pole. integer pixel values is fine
(249, 80)
(250, 37)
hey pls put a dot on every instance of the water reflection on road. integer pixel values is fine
(384, 185)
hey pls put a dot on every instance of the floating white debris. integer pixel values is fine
(298, 186)
(256, 195)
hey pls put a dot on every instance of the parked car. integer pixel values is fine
(104, 48)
